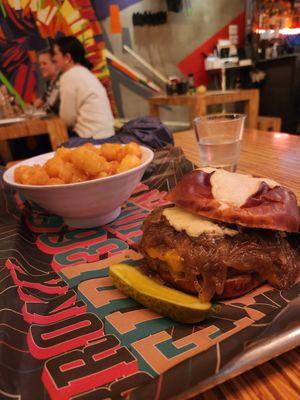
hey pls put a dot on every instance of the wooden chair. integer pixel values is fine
(269, 124)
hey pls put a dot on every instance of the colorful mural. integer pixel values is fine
(26, 26)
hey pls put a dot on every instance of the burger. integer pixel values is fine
(223, 234)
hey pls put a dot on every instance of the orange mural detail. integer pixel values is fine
(115, 21)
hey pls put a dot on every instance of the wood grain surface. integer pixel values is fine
(275, 155)
(278, 379)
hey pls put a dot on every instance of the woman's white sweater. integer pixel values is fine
(84, 105)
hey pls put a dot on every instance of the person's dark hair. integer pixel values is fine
(71, 45)
(45, 51)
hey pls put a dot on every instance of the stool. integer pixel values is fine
(269, 123)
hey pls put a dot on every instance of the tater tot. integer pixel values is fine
(66, 173)
(19, 171)
(55, 181)
(35, 175)
(110, 151)
(121, 154)
(102, 174)
(128, 162)
(53, 166)
(78, 176)
(112, 167)
(88, 161)
(133, 148)
(81, 164)
(92, 148)
(64, 153)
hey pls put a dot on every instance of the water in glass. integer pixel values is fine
(220, 152)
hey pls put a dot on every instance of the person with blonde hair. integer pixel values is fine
(49, 70)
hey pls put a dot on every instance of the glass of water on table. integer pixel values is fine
(219, 138)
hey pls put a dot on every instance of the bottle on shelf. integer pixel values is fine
(191, 84)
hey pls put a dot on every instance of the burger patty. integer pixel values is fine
(225, 266)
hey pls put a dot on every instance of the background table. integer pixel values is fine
(198, 103)
(53, 126)
(274, 155)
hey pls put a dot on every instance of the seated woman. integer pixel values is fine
(84, 105)
(50, 99)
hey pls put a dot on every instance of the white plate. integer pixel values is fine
(38, 113)
(5, 121)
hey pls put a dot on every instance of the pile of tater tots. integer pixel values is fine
(81, 164)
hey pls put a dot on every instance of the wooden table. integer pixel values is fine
(274, 155)
(198, 103)
(53, 126)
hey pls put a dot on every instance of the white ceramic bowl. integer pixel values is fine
(84, 204)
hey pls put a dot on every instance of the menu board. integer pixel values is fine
(68, 333)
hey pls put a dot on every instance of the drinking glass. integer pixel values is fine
(29, 110)
(219, 138)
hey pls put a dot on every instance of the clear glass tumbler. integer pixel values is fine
(219, 138)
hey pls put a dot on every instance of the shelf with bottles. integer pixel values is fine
(276, 17)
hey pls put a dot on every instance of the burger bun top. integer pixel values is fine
(237, 198)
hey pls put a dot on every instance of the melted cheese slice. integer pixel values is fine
(233, 188)
(171, 257)
(194, 225)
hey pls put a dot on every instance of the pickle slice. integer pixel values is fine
(162, 299)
